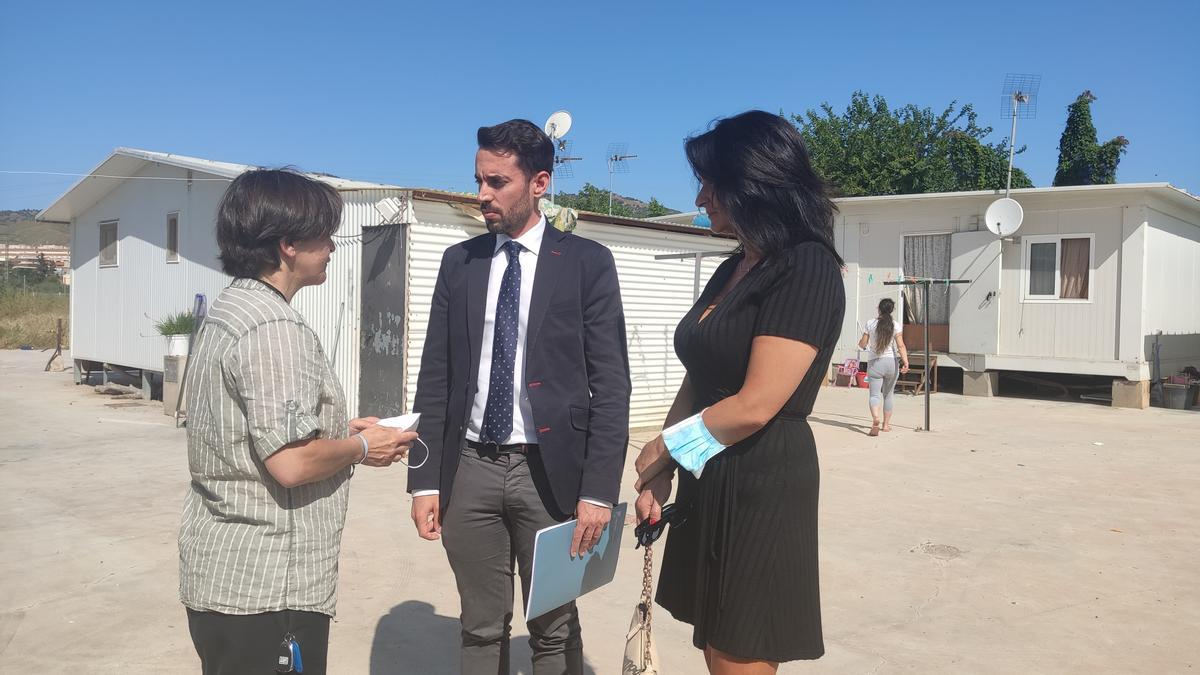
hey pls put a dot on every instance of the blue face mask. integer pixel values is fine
(691, 444)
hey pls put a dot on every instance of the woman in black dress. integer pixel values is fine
(756, 345)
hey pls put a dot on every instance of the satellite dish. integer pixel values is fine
(558, 125)
(1004, 216)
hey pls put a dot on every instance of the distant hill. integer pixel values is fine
(19, 227)
(17, 216)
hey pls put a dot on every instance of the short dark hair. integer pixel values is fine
(531, 145)
(760, 173)
(262, 207)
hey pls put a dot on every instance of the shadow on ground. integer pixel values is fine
(413, 640)
(857, 428)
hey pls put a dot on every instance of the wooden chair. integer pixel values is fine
(919, 376)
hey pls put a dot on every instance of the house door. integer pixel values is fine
(927, 256)
(975, 307)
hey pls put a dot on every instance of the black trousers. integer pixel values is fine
(248, 644)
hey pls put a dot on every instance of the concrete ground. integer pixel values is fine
(1018, 537)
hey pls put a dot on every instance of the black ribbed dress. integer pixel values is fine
(743, 569)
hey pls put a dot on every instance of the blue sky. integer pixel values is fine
(393, 92)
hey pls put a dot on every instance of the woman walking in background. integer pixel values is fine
(882, 337)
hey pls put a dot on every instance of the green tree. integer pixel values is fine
(595, 199)
(655, 208)
(1082, 160)
(871, 149)
(592, 198)
(45, 268)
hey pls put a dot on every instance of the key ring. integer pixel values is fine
(647, 533)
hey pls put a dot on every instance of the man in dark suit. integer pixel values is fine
(524, 401)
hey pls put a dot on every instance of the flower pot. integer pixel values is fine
(177, 345)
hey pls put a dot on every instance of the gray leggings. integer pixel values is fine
(882, 373)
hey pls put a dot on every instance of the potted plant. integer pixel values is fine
(177, 328)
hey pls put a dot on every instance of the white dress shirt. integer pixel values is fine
(523, 430)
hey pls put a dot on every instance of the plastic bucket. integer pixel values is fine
(861, 378)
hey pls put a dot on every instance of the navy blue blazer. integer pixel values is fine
(576, 367)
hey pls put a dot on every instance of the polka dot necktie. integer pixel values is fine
(498, 414)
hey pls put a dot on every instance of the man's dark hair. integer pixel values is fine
(262, 207)
(531, 145)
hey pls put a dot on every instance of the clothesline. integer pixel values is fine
(913, 281)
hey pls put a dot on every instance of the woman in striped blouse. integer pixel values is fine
(269, 446)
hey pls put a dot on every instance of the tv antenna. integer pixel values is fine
(618, 156)
(563, 156)
(556, 128)
(1019, 100)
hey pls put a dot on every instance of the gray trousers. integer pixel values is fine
(490, 523)
(882, 374)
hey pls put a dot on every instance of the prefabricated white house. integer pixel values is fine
(143, 245)
(1092, 279)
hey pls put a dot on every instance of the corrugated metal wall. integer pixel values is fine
(334, 309)
(655, 293)
(1075, 331)
(1172, 289)
(1064, 330)
(440, 228)
(871, 241)
(113, 309)
(1172, 275)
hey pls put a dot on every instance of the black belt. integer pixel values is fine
(498, 449)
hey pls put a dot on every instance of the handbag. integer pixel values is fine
(640, 655)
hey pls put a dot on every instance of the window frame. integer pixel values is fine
(1027, 243)
(172, 255)
(115, 223)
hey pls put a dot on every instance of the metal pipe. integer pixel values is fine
(926, 286)
(610, 172)
(1012, 148)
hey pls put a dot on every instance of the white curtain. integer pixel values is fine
(1074, 268)
(927, 256)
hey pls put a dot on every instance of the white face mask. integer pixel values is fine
(691, 444)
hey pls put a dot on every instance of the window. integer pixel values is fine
(1058, 268)
(173, 237)
(108, 243)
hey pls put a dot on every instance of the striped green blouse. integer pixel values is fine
(258, 380)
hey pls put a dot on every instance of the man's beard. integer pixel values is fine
(513, 220)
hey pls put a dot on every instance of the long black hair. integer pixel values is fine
(885, 328)
(761, 175)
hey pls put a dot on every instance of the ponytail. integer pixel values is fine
(885, 328)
